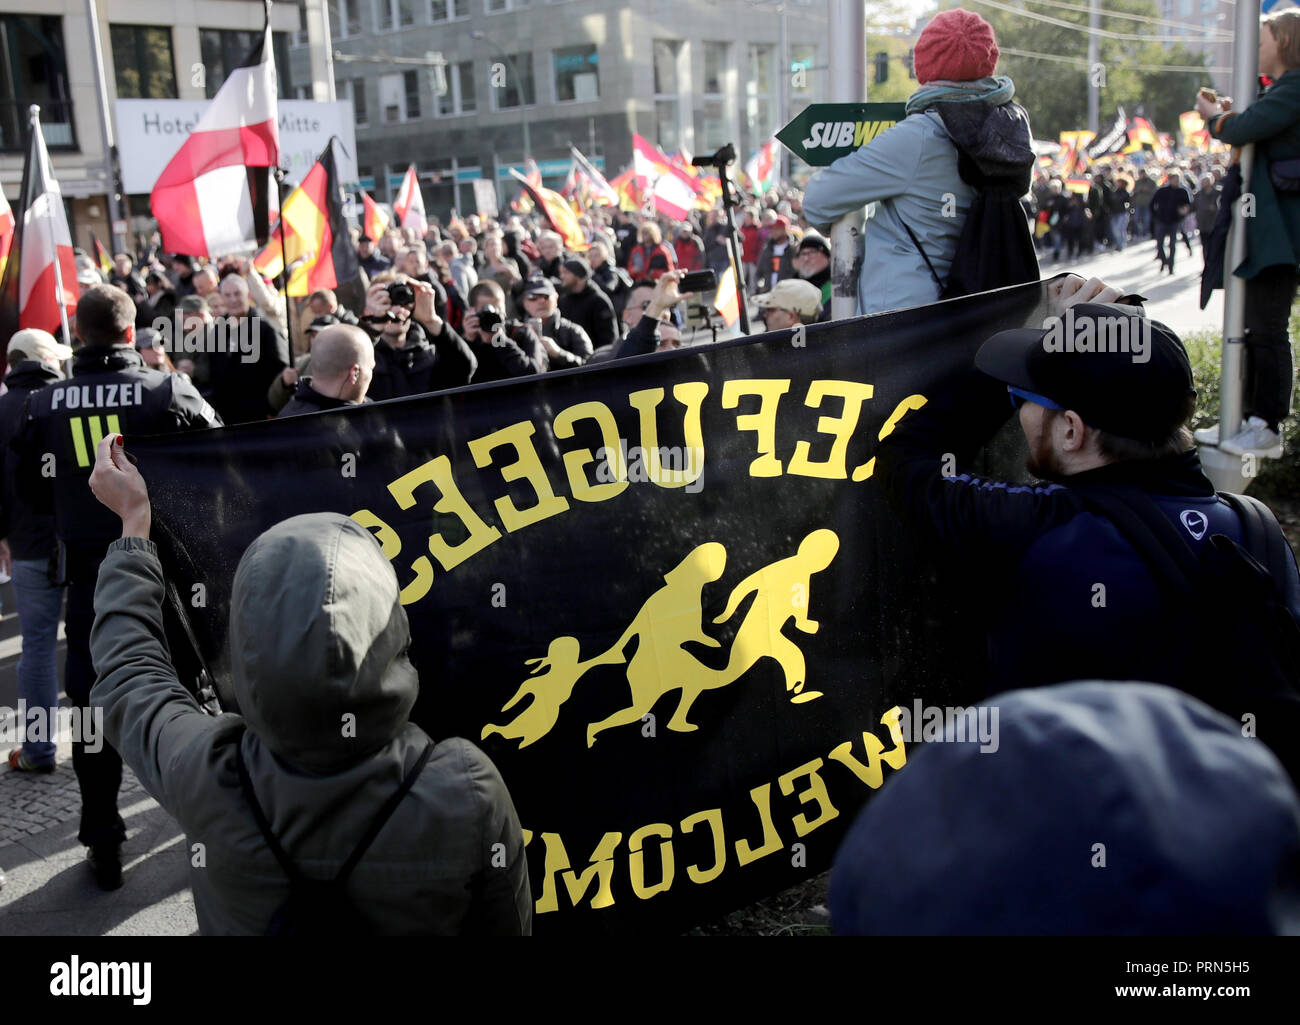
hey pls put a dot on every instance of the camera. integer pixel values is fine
(400, 293)
(489, 319)
(698, 281)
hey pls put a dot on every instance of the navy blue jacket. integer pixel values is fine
(1037, 553)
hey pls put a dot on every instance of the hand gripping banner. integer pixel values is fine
(665, 595)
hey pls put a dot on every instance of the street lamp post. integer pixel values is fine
(523, 100)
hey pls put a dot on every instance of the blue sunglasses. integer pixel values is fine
(1019, 397)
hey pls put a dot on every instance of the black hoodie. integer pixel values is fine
(29, 531)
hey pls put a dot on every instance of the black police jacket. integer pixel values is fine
(29, 531)
(111, 392)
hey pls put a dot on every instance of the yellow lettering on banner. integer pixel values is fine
(762, 422)
(691, 395)
(714, 818)
(601, 869)
(575, 463)
(452, 503)
(910, 403)
(815, 792)
(762, 798)
(840, 427)
(527, 467)
(528, 836)
(391, 545)
(871, 773)
(636, 861)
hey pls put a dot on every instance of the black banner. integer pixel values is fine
(665, 594)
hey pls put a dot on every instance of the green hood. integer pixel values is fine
(318, 642)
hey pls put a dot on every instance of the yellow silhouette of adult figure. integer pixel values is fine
(669, 618)
(551, 684)
(781, 592)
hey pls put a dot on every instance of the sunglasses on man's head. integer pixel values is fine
(1019, 397)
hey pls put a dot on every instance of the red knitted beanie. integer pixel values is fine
(957, 46)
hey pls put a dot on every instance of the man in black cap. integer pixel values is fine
(566, 344)
(585, 304)
(1103, 397)
(812, 262)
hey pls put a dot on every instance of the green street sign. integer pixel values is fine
(824, 132)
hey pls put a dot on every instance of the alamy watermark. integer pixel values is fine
(1099, 334)
(182, 335)
(37, 724)
(951, 724)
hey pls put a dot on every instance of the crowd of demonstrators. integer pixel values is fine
(1126, 203)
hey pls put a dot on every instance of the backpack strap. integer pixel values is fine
(1147, 529)
(1263, 538)
(385, 813)
(921, 249)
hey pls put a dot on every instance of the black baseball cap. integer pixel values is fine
(1121, 372)
(539, 286)
(578, 267)
(814, 241)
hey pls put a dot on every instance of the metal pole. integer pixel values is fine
(320, 47)
(106, 128)
(1245, 84)
(783, 101)
(1094, 59)
(848, 84)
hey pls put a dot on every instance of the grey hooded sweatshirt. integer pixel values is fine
(318, 640)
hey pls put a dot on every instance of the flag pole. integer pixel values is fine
(278, 174)
(34, 115)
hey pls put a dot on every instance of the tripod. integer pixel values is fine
(719, 161)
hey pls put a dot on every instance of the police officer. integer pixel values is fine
(111, 391)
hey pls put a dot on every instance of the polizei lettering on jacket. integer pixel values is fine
(839, 134)
(97, 396)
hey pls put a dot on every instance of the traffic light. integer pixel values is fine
(909, 62)
(882, 67)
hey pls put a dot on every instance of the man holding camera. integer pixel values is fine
(503, 348)
(416, 351)
(566, 343)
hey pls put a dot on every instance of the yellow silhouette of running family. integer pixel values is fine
(670, 617)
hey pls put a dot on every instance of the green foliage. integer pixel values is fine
(1278, 478)
(1056, 94)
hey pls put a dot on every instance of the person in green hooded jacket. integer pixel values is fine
(1272, 122)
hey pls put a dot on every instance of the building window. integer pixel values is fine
(411, 83)
(349, 13)
(447, 10)
(497, 6)
(142, 62)
(803, 56)
(354, 89)
(760, 108)
(459, 97)
(390, 13)
(223, 50)
(715, 68)
(507, 96)
(667, 99)
(576, 75)
(34, 69)
(392, 98)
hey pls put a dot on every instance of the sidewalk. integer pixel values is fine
(49, 889)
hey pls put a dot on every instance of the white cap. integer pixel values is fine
(36, 344)
(794, 294)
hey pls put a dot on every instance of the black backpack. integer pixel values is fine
(1251, 663)
(322, 907)
(995, 248)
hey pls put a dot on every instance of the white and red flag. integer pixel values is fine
(215, 195)
(39, 284)
(671, 188)
(409, 204)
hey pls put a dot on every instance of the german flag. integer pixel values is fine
(315, 233)
(376, 221)
(101, 255)
(558, 214)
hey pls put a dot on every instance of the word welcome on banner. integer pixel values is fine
(665, 594)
